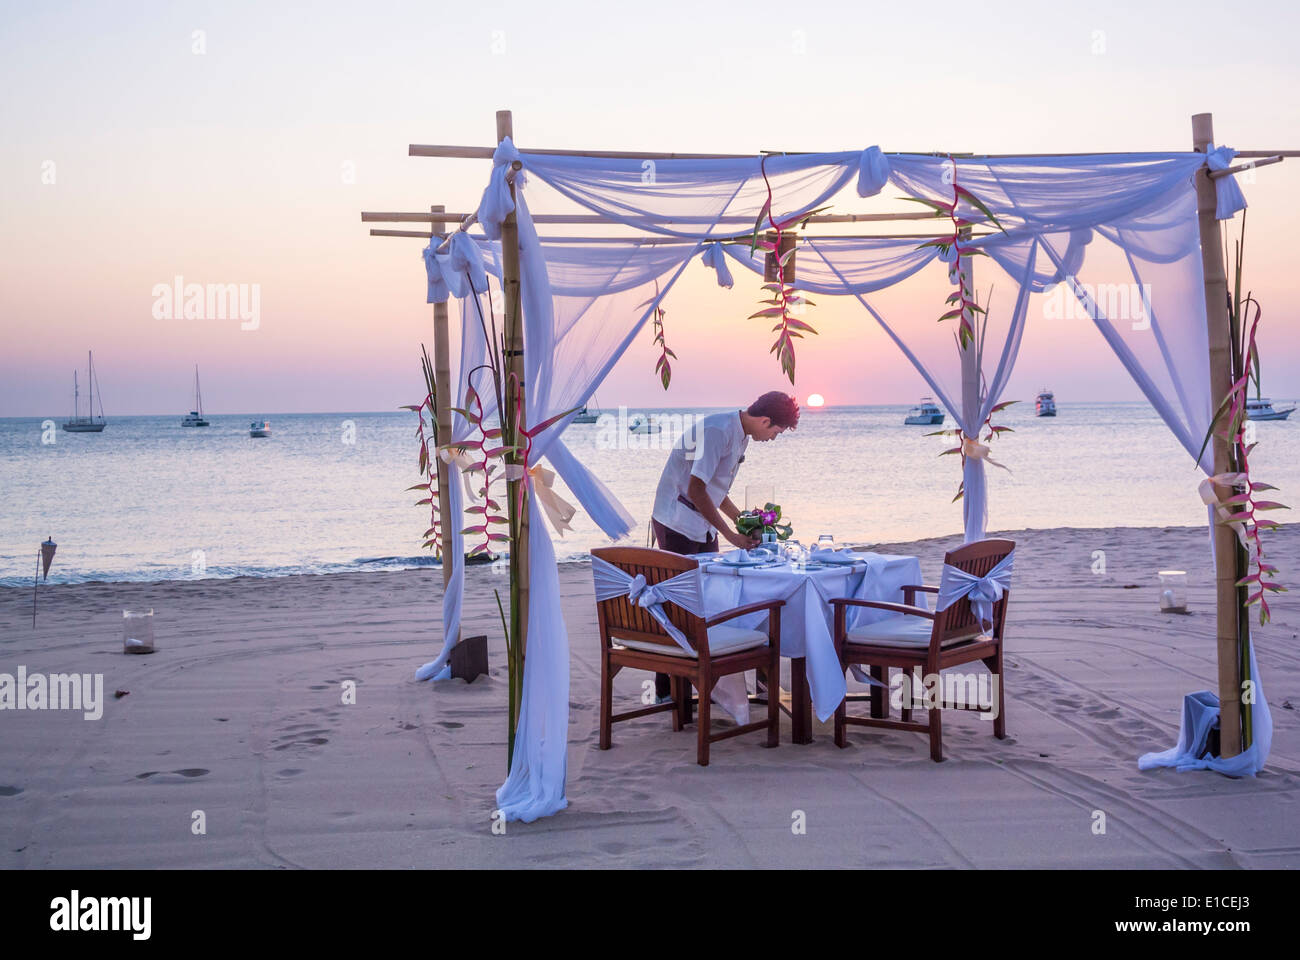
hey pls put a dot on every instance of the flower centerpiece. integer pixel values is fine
(764, 520)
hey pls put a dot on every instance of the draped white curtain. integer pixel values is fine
(586, 299)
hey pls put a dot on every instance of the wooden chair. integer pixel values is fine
(918, 638)
(631, 637)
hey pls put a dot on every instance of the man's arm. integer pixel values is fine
(699, 494)
(729, 508)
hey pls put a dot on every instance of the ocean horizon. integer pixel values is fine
(149, 500)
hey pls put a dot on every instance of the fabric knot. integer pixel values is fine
(497, 203)
(873, 172)
(715, 257)
(1228, 196)
(465, 269)
(438, 291)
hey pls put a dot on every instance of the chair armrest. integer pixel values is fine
(910, 590)
(882, 605)
(742, 611)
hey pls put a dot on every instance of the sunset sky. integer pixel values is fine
(238, 142)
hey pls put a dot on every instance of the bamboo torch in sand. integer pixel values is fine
(44, 558)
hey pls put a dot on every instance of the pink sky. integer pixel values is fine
(248, 163)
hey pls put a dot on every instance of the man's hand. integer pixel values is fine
(738, 539)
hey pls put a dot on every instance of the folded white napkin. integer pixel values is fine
(736, 556)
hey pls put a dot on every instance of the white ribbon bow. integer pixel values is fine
(684, 590)
(983, 591)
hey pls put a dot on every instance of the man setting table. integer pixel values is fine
(692, 505)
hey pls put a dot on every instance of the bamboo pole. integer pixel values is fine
(442, 407)
(970, 370)
(515, 411)
(1225, 540)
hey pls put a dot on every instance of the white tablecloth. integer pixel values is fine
(807, 617)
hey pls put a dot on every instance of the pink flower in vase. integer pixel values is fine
(769, 517)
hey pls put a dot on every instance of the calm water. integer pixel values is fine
(149, 500)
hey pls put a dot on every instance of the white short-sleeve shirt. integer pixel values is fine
(711, 449)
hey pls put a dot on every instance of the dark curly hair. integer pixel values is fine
(781, 408)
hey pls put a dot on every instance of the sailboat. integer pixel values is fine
(585, 416)
(86, 424)
(195, 418)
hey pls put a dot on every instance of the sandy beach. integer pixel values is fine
(240, 715)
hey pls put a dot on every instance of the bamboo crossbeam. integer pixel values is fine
(485, 153)
(1216, 174)
(576, 218)
(744, 238)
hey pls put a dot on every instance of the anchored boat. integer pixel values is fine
(86, 424)
(1261, 408)
(1045, 405)
(195, 418)
(926, 413)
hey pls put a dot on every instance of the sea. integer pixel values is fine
(149, 500)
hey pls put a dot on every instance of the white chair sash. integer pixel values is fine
(983, 591)
(685, 590)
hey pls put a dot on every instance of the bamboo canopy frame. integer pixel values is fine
(1232, 627)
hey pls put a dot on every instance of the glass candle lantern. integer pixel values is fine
(1173, 591)
(137, 631)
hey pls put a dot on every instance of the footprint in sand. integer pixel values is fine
(288, 772)
(10, 791)
(314, 741)
(450, 724)
(187, 772)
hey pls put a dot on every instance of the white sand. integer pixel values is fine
(239, 715)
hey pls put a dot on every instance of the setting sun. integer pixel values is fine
(816, 400)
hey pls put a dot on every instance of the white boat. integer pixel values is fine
(585, 416)
(259, 428)
(925, 413)
(642, 424)
(86, 424)
(1045, 405)
(1261, 408)
(195, 418)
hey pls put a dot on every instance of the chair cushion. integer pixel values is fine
(901, 630)
(723, 639)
